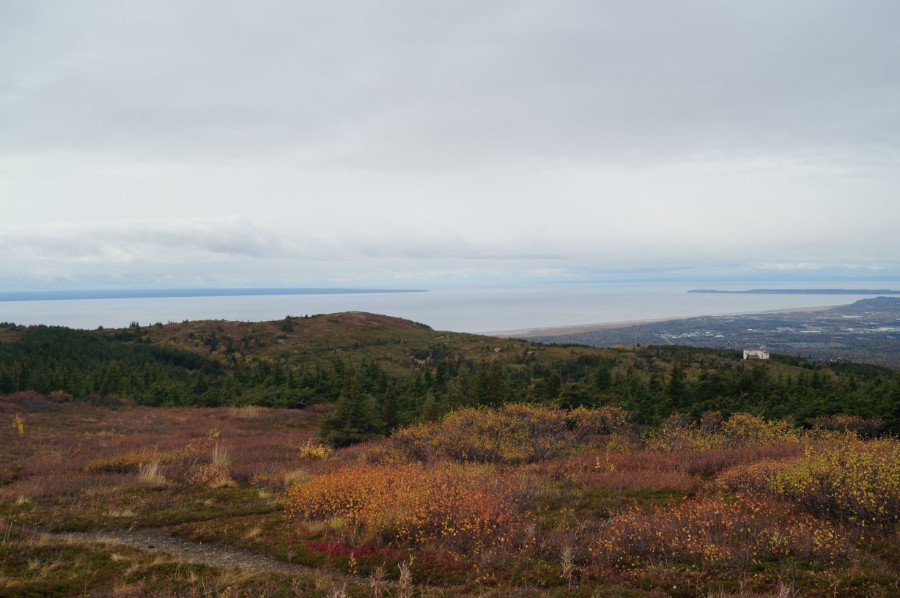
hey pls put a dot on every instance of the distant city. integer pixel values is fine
(866, 331)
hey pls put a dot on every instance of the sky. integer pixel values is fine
(418, 144)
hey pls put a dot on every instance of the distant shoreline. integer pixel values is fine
(180, 293)
(579, 328)
(800, 292)
(575, 328)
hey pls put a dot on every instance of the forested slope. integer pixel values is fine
(382, 372)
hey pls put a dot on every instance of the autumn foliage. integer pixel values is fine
(845, 478)
(739, 430)
(463, 507)
(743, 531)
(512, 434)
(521, 500)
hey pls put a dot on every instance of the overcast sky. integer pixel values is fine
(173, 143)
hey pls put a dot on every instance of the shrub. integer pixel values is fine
(740, 430)
(209, 474)
(19, 425)
(750, 477)
(314, 450)
(849, 423)
(743, 429)
(464, 507)
(855, 480)
(512, 434)
(751, 529)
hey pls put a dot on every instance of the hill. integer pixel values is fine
(663, 485)
(398, 371)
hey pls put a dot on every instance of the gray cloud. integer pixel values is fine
(408, 139)
(126, 242)
(395, 84)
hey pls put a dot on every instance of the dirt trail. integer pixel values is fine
(206, 553)
(215, 554)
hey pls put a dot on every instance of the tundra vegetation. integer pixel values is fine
(574, 484)
(511, 500)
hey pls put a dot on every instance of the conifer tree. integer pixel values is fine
(354, 419)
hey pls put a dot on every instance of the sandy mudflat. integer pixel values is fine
(579, 328)
(575, 328)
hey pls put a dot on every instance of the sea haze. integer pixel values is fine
(458, 309)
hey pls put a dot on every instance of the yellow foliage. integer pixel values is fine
(19, 425)
(515, 433)
(314, 450)
(743, 429)
(740, 430)
(840, 475)
(854, 479)
(750, 529)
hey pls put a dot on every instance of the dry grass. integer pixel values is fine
(150, 474)
(70, 451)
(220, 457)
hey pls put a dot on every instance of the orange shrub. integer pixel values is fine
(463, 507)
(751, 477)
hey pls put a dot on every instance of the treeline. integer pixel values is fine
(651, 383)
(372, 398)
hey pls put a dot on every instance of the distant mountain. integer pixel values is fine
(888, 306)
(801, 292)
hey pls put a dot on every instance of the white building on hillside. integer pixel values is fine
(757, 353)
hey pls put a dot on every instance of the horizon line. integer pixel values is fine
(9, 296)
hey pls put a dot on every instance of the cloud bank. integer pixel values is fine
(219, 142)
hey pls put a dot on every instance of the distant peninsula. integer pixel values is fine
(801, 292)
(170, 293)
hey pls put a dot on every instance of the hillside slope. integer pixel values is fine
(397, 371)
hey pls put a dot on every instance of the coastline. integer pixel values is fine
(580, 328)
(90, 294)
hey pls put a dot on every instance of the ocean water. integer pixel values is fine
(458, 309)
